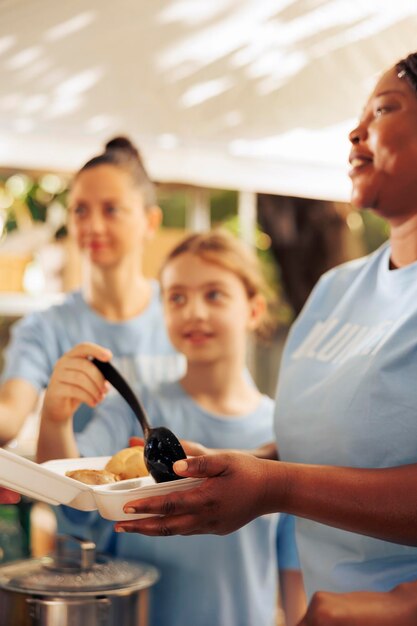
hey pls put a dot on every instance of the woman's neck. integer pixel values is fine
(403, 239)
(116, 294)
(221, 388)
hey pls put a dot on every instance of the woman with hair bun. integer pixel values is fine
(112, 213)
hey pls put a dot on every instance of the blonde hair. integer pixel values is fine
(225, 250)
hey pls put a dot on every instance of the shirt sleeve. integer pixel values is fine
(109, 429)
(286, 544)
(30, 352)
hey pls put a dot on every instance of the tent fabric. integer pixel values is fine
(254, 95)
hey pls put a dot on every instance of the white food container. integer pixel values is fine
(47, 482)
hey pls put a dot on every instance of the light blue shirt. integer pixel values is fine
(347, 396)
(140, 345)
(141, 349)
(206, 580)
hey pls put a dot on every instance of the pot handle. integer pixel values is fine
(87, 550)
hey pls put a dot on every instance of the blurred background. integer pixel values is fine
(241, 109)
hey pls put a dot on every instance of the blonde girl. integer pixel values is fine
(212, 293)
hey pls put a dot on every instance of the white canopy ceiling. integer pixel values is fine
(244, 94)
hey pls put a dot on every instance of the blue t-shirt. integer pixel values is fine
(140, 345)
(347, 396)
(206, 580)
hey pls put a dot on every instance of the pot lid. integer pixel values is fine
(63, 574)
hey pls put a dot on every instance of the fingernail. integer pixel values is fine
(129, 510)
(181, 466)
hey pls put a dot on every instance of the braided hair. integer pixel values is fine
(407, 69)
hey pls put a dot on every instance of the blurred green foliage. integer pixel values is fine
(375, 230)
(223, 205)
(174, 207)
(23, 197)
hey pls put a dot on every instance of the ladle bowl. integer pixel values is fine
(162, 448)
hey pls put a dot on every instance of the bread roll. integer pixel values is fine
(128, 463)
(92, 477)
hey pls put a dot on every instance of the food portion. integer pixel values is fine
(125, 464)
(92, 477)
(128, 463)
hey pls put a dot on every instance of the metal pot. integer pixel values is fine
(74, 589)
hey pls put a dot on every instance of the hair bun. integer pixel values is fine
(120, 152)
(123, 144)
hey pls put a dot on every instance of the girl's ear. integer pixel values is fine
(154, 219)
(257, 308)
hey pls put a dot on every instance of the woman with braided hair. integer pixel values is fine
(345, 417)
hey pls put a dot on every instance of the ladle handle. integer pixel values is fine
(111, 374)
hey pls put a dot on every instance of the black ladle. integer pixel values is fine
(162, 447)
